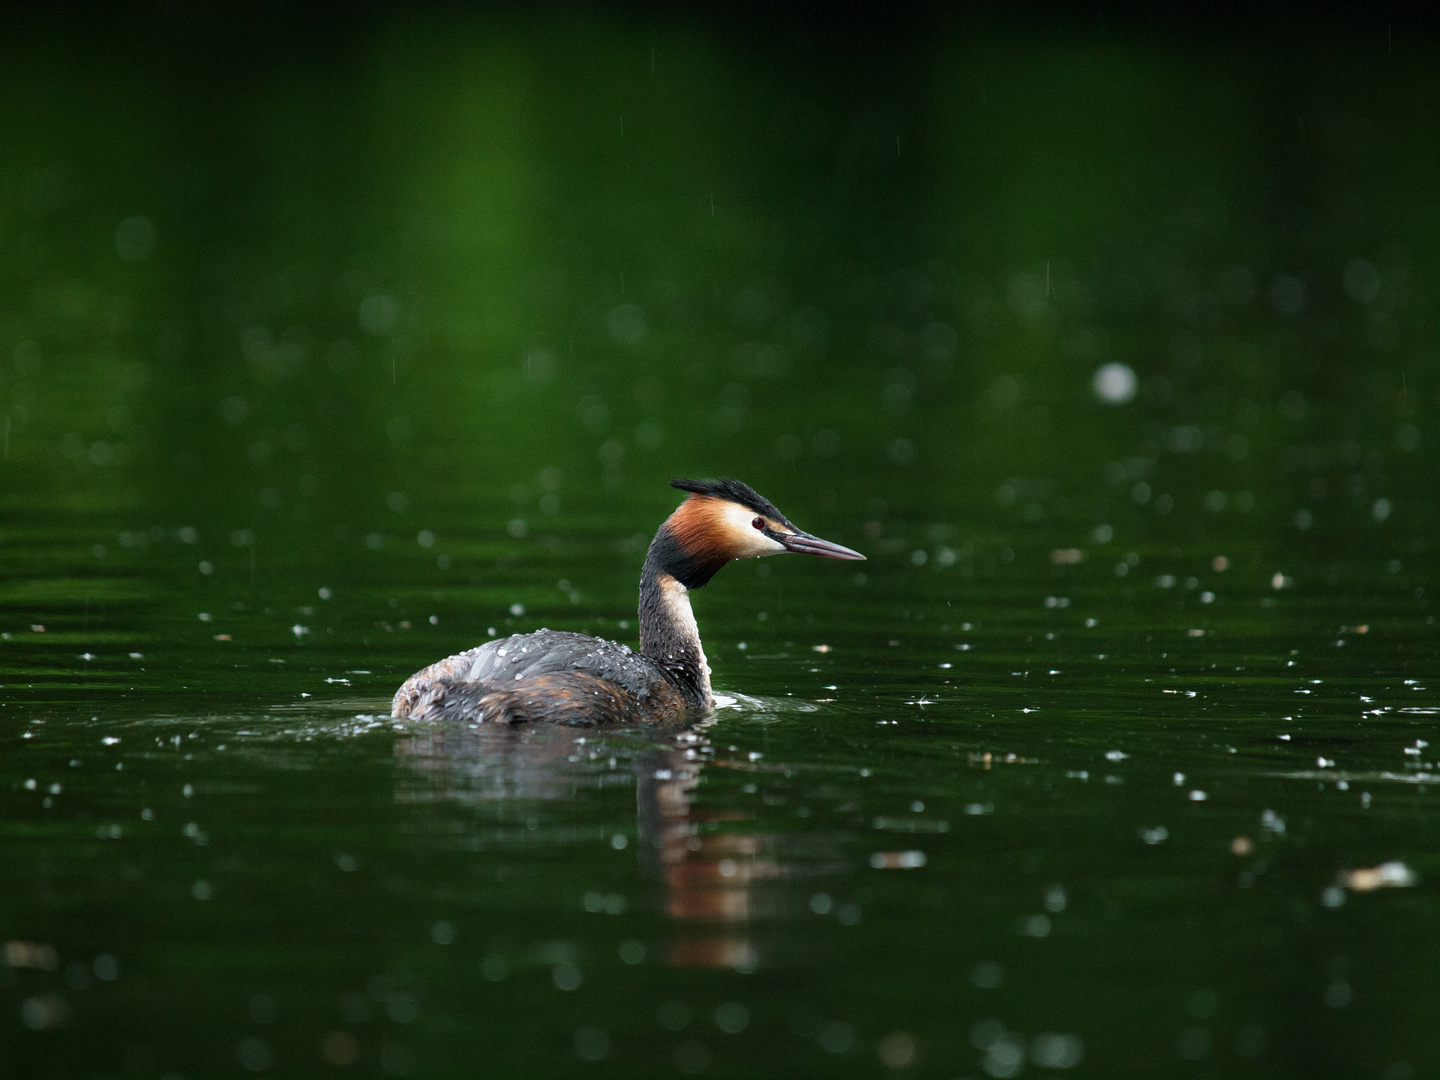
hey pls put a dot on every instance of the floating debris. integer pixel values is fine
(29, 954)
(1242, 846)
(1393, 875)
(911, 825)
(987, 759)
(897, 860)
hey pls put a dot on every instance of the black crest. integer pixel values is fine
(735, 491)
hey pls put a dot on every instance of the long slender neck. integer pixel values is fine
(669, 637)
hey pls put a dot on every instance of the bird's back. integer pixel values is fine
(550, 675)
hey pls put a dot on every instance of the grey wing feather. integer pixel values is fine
(544, 652)
(509, 662)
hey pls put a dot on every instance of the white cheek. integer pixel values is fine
(765, 546)
(749, 542)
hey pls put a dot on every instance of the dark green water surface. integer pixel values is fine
(329, 350)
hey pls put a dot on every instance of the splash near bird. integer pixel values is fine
(577, 679)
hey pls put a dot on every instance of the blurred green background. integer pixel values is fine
(317, 275)
(337, 338)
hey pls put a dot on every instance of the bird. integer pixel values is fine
(556, 676)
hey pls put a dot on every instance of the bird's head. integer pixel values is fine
(726, 519)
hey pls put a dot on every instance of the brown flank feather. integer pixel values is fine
(562, 697)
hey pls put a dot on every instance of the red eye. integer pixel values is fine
(759, 523)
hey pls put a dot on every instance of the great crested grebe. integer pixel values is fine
(577, 679)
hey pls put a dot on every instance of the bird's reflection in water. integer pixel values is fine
(493, 762)
(707, 876)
